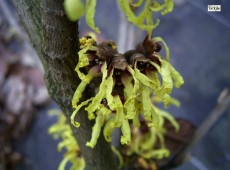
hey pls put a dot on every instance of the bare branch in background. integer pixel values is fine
(223, 104)
(29, 53)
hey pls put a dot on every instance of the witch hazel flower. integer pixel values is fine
(128, 83)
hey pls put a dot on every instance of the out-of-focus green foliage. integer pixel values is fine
(75, 9)
(144, 20)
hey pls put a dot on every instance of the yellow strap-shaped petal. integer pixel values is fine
(156, 153)
(83, 59)
(153, 75)
(167, 51)
(76, 124)
(95, 104)
(137, 4)
(177, 78)
(139, 20)
(109, 88)
(128, 92)
(136, 84)
(166, 77)
(90, 13)
(119, 156)
(168, 7)
(167, 83)
(136, 120)
(160, 134)
(150, 141)
(165, 8)
(147, 105)
(63, 144)
(78, 163)
(169, 117)
(96, 129)
(126, 132)
(78, 93)
(157, 7)
(105, 111)
(108, 130)
(119, 112)
(145, 80)
(65, 161)
(156, 99)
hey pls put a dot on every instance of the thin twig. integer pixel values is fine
(122, 32)
(222, 105)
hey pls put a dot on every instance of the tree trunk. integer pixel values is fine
(56, 42)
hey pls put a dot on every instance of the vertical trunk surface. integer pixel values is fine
(56, 42)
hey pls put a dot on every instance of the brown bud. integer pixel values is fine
(148, 46)
(106, 50)
(119, 62)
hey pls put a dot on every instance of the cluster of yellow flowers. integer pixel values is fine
(143, 144)
(144, 20)
(62, 131)
(75, 9)
(128, 83)
(148, 142)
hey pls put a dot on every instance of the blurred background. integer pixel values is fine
(199, 43)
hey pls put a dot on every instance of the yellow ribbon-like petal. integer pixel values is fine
(96, 129)
(101, 93)
(129, 105)
(90, 13)
(177, 78)
(76, 124)
(108, 129)
(126, 133)
(119, 112)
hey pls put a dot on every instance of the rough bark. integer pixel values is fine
(56, 42)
